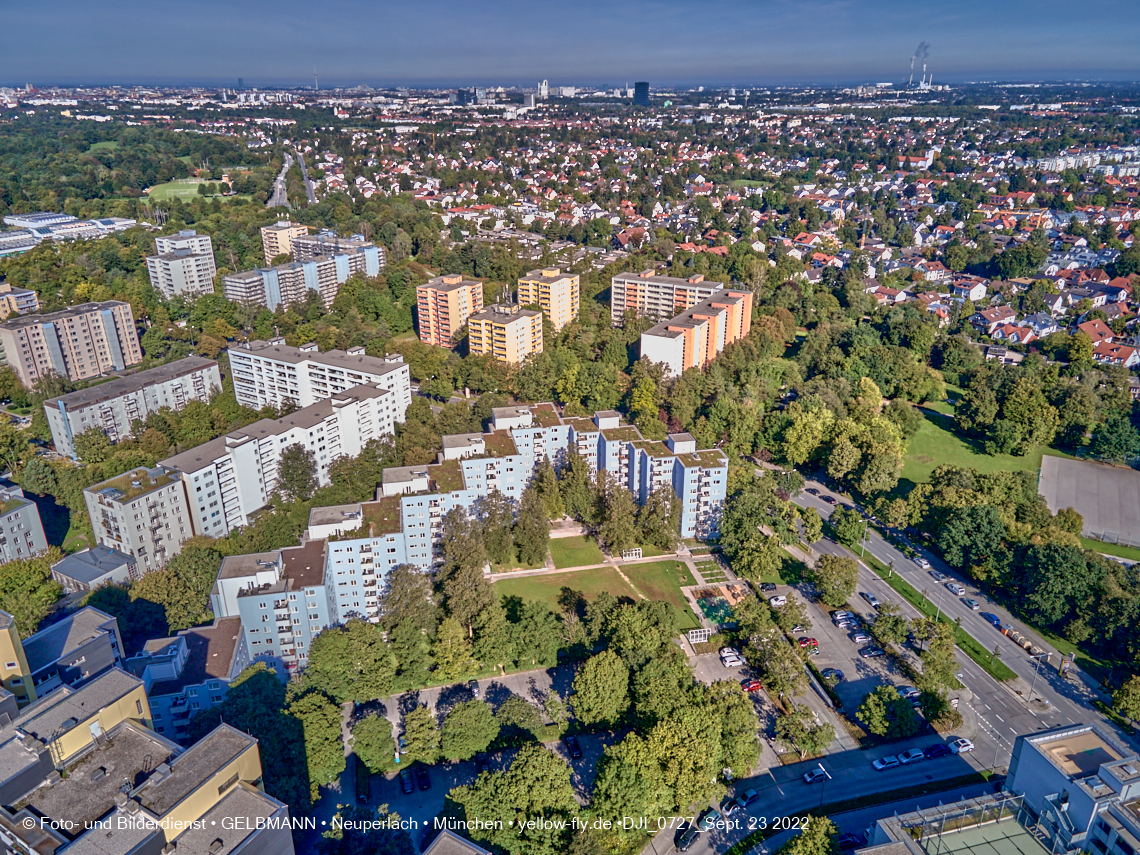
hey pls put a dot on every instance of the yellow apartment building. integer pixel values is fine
(507, 332)
(556, 292)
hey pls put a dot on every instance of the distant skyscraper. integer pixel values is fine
(544, 90)
(241, 83)
(641, 94)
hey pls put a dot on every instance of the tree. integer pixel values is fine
(93, 445)
(816, 838)
(452, 651)
(969, 535)
(601, 690)
(556, 710)
(884, 713)
(660, 519)
(352, 662)
(618, 528)
(534, 634)
(421, 735)
(357, 830)
(496, 514)
(939, 659)
(407, 596)
(532, 528)
(848, 524)
(372, 742)
(781, 669)
(466, 591)
(546, 485)
(27, 589)
(813, 524)
(1116, 440)
(800, 729)
(890, 627)
(470, 727)
(320, 722)
(520, 718)
(1126, 699)
(576, 486)
(835, 578)
(297, 472)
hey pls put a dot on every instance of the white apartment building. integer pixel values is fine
(184, 265)
(648, 294)
(113, 406)
(269, 373)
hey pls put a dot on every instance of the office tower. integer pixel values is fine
(508, 332)
(641, 94)
(444, 304)
(17, 301)
(693, 338)
(184, 265)
(277, 239)
(115, 405)
(552, 290)
(78, 343)
(648, 295)
(269, 373)
(21, 529)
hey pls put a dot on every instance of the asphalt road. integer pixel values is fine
(308, 184)
(280, 199)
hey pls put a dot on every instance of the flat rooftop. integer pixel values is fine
(237, 566)
(653, 277)
(52, 716)
(147, 480)
(131, 383)
(210, 655)
(304, 565)
(358, 362)
(194, 767)
(92, 564)
(500, 443)
(447, 476)
(382, 516)
(437, 284)
(1078, 752)
(74, 311)
(336, 515)
(61, 639)
(1108, 497)
(128, 756)
(462, 440)
(1007, 837)
(242, 801)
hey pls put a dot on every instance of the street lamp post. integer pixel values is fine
(938, 609)
(863, 541)
(1036, 668)
(824, 784)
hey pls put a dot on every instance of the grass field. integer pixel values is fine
(547, 588)
(663, 580)
(181, 188)
(1129, 552)
(936, 444)
(106, 145)
(574, 551)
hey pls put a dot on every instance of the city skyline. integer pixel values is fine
(442, 43)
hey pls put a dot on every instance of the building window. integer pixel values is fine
(138, 707)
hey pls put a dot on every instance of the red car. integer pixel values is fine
(751, 685)
(808, 642)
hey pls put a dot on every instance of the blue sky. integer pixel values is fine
(711, 42)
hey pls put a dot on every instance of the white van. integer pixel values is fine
(776, 602)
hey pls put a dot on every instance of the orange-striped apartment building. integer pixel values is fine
(648, 295)
(693, 338)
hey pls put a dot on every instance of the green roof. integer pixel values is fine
(545, 415)
(582, 425)
(447, 476)
(123, 484)
(9, 505)
(709, 458)
(653, 448)
(383, 516)
(628, 433)
(499, 444)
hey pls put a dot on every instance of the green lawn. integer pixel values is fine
(936, 443)
(181, 188)
(547, 588)
(1129, 552)
(103, 146)
(575, 551)
(663, 580)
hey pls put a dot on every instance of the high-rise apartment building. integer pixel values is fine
(506, 331)
(276, 239)
(270, 373)
(114, 406)
(79, 343)
(21, 529)
(85, 773)
(552, 290)
(641, 94)
(184, 265)
(443, 306)
(696, 336)
(17, 301)
(320, 265)
(649, 295)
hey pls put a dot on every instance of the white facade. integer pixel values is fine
(187, 239)
(269, 373)
(112, 407)
(668, 348)
(142, 513)
(184, 265)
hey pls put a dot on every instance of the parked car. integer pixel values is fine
(972, 605)
(992, 618)
(955, 589)
(871, 599)
(812, 491)
(832, 674)
(829, 499)
(731, 661)
(776, 602)
(839, 614)
(474, 687)
(407, 782)
(888, 762)
(912, 755)
(751, 685)
(938, 749)
(907, 692)
(961, 745)
(747, 797)
(938, 577)
(860, 638)
(872, 652)
(922, 562)
(813, 651)
(850, 841)
(708, 819)
(797, 628)
(688, 837)
(813, 775)
(808, 642)
(573, 747)
(729, 806)
(767, 586)
(423, 779)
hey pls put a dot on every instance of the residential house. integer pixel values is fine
(988, 320)
(1110, 353)
(1097, 330)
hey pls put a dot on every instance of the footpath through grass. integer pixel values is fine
(1129, 552)
(969, 645)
